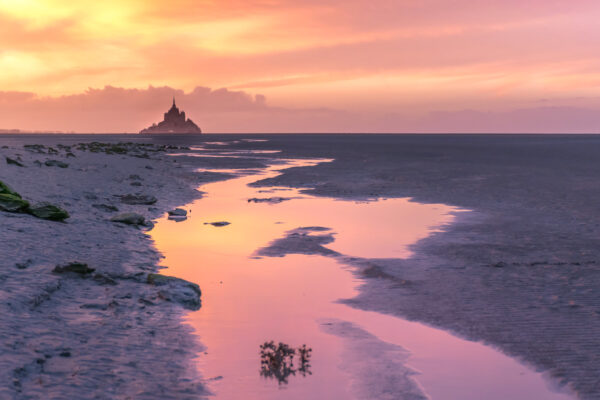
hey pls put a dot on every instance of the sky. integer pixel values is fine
(302, 66)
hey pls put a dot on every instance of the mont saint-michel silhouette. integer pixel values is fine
(174, 122)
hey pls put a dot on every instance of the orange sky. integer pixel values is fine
(369, 59)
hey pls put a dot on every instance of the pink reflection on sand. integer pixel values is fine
(248, 300)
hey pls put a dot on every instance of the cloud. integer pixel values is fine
(114, 110)
(60, 46)
(346, 65)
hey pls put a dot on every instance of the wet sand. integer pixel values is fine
(520, 272)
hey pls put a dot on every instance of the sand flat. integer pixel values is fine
(519, 272)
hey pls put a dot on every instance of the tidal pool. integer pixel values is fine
(248, 300)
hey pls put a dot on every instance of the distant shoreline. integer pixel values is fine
(8, 132)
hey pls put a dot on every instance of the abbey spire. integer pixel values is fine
(174, 122)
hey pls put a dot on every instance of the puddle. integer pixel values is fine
(249, 300)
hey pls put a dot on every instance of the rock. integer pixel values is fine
(136, 183)
(270, 200)
(178, 215)
(375, 271)
(56, 163)
(149, 225)
(48, 211)
(177, 290)
(178, 212)
(12, 203)
(129, 219)
(95, 306)
(36, 148)
(24, 265)
(105, 207)
(12, 161)
(137, 199)
(69, 154)
(75, 266)
(219, 223)
(134, 177)
(103, 279)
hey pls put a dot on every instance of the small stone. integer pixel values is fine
(75, 266)
(178, 212)
(270, 200)
(24, 265)
(102, 279)
(218, 224)
(129, 219)
(105, 207)
(12, 161)
(56, 163)
(177, 290)
(36, 148)
(138, 199)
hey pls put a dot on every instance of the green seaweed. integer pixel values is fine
(5, 189)
(12, 203)
(48, 211)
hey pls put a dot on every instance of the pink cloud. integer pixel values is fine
(114, 110)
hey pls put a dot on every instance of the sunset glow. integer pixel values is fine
(399, 57)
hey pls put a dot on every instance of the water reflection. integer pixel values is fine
(277, 361)
(284, 294)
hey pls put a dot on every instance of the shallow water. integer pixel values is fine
(247, 300)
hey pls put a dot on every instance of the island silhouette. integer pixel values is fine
(174, 122)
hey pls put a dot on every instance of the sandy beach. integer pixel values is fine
(106, 334)
(519, 271)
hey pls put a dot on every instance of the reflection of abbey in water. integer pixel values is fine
(174, 122)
